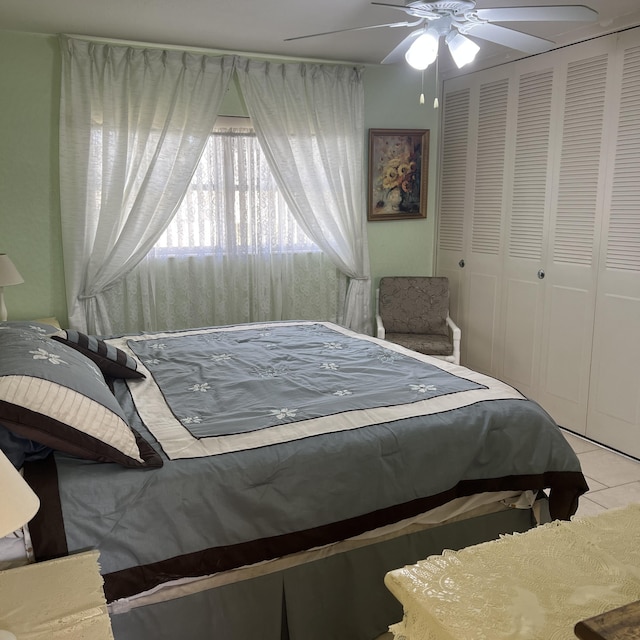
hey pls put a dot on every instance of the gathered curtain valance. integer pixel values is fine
(133, 125)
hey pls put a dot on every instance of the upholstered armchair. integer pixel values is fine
(414, 312)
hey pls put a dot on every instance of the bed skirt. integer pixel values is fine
(341, 596)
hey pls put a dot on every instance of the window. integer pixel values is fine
(233, 205)
(232, 253)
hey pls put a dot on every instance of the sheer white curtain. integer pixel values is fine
(133, 124)
(232, 253)
(310, 123)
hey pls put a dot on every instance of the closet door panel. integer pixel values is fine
(455, 287)
(453, 195)
(482, 296)
(616, 394)
(575, 221)
(567, 343)
(614, 402)
(521, 319)
(614, 397)
(527, 230)
(483, 252)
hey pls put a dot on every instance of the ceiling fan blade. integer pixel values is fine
(419, 9)
(402, 7)
(542, 14)
(397, 54)
(508, 37)
(373, 26)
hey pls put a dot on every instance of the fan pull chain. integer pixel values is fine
(422, 94)
(436, 104)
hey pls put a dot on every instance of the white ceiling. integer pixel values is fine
(261, 26)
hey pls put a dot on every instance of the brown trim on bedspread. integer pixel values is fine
(48, 533)
(47, 526)
(563, 502)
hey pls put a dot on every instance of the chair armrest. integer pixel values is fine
(380, 330)
(456, 335)
(455, 330)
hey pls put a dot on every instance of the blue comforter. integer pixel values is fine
(280, 437)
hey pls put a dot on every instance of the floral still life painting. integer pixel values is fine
(398, 166)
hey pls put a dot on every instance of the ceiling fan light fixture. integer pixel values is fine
(424, 50)
(452, 19)
(463, 50)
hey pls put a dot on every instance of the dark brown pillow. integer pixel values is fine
(112, 361)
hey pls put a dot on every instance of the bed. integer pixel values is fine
(259, 480)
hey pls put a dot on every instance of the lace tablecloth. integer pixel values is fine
(534, 585)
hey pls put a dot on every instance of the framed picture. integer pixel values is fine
(398, 174)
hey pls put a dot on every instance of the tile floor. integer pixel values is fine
(614, 479)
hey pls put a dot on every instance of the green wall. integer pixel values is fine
(392, 93)
(30, 229)
(29, 195)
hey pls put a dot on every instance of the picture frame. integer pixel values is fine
(398, 174)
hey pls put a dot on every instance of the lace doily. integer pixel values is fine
(534, 585)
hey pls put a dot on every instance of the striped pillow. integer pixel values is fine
(113, 362)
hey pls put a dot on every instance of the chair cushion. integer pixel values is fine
(414, 304)
(429, 344)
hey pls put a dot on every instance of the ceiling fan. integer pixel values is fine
(455, 19)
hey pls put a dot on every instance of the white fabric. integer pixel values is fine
(191, 291)
(133, 123)
(309, 120)
(233, 253)
(531, 586)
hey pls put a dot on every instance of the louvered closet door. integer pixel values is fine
(483, 250)
(453, 196)
(614, 397)
(575, 220)
(529, 176)
(472, 209)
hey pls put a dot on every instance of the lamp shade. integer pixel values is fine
(18, 503)
(8, 273)
(463, 50)
(424, 50)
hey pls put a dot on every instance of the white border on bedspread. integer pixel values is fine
(177, 442)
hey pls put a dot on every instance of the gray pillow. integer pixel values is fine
(53, 395)
(30, 326)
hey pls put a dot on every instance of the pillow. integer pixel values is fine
(34, 326)
(53, 395)
(20, 450)
(112, 361)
